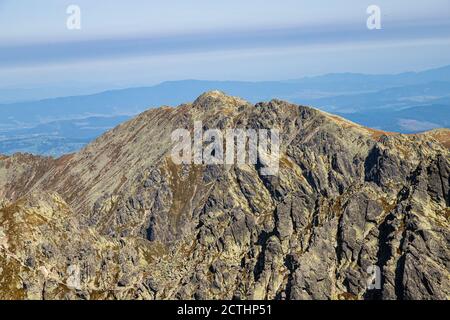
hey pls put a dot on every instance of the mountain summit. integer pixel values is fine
(119, 220)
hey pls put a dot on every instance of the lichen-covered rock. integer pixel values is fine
(119, 220)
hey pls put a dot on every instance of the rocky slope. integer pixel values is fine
(119, 220)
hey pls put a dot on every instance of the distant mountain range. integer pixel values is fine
(408, 102)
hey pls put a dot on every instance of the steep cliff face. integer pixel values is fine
(120, 220)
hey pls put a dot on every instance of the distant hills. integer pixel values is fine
(57, 137)
(408, 102)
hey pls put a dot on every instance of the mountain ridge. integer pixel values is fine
(407, 103)
(346, 198)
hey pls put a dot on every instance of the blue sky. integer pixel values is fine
(137, 42)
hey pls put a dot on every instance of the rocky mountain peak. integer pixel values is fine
(120, 220)
(216, 100)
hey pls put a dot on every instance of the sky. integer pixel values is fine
(137, 42)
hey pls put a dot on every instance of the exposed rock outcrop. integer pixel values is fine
(119, 220)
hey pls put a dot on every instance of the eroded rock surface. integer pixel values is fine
(119, 220)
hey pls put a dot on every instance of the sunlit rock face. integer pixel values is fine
(119, 220)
